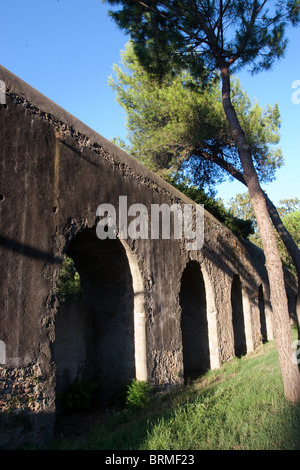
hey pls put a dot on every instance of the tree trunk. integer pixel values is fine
(281, 320)
(282, 231)
(291, 248)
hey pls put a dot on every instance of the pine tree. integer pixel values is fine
(204, 36)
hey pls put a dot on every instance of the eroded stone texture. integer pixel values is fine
(26, 404)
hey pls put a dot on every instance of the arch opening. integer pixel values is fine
(262, 315)
(102, 337)
(238, 322)
(194, 324)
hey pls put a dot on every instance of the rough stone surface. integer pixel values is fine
(55, 172)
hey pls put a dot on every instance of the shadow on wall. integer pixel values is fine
(199, 324)
(95, 338)
(262, 316)
(26, 429)
(255, 299)
(194, 324)
(238, 322)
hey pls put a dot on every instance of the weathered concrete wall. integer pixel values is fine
(73, 327)
(55, 172)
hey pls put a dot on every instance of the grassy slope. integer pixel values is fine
(240, 406)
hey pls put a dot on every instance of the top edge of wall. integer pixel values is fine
(16, 85)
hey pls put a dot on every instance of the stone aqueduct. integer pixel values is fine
(152, 308)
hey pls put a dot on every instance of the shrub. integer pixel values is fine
(243, 228)
(69, 288)
(79, 395)
(138, 394)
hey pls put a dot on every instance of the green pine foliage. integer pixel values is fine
(289, 211)
(240, 226)
(292, 222)
(80, 395)
(201, 36)
(138, 394)
(177, 125)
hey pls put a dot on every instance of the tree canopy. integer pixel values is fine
(176, 126)
(200, 34)
(289, 211)
(204, 37)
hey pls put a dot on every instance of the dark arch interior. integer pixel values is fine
(95, 338)
(240, 347)
(262, 315)
(194, 326)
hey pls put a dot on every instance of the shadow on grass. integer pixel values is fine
(241, 406)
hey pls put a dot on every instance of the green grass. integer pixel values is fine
(240, 406)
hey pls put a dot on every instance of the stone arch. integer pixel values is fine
(109, 323)
(139, 315)
(213, 329)
(238, 320)
(194, 323)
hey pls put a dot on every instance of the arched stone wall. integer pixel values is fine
(140, 348)
(238, 318)
(104, 336)
(262, 314)
(55, 173)
(194, 324)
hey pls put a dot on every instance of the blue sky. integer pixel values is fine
(66, 50)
